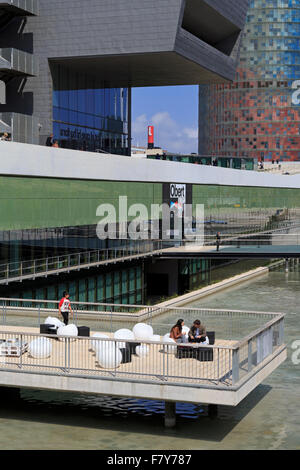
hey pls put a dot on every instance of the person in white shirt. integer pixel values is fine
(65, 307)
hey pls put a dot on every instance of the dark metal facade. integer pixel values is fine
(121, 44)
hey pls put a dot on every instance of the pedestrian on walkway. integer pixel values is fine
(218, 240)
(49, 141)
(65, 307)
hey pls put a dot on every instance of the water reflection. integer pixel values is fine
(267, 419)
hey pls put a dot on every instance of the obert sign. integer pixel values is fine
(296, 93)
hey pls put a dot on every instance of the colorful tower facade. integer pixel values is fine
(254, 115)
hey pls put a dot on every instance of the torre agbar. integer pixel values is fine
(254, 116)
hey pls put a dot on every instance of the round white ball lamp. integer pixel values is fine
(142, 351)
(53, 321)
(170, 349)
(97, 344)
(124, 334)
(71, 331)
(142, 332)
(40, 348)
(155, 338)
(185, 330)
(109, 356)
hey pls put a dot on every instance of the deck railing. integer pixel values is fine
(245, 342)
(153, 362)
(228, 324)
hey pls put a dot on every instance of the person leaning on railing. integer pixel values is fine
(177, 334)
(197, 333)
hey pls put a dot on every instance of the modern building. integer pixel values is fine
(254, 115)
(49, 215)
(67, 67)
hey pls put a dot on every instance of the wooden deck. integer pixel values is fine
(160, 364)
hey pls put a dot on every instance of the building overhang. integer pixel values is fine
(152, 69)
(20, 7)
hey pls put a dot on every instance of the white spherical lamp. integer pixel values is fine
(142, 351)
(185, 330)
(95, 344)
(40, 348)
(142, 332)
(170, 349)
(109, 356)
(124, 334)
(71, 331)
(53, 321)
(155, 338)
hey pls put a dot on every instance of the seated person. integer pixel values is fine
(176, 332)
(197, 333)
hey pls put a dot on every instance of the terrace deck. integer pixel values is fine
(160, 364)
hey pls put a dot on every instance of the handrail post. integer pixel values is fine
(69, 355)
(250, 364)
(281, 332)
(235, 366)
(218, 364)
(21, 348)
(259, 347)
(165, 348)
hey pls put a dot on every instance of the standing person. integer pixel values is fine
(55, 144)
(218, 240)
(65, 307)
(49, 141)
(176, 332)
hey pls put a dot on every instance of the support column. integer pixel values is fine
(170, 414)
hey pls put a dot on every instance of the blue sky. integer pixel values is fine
(174, 113)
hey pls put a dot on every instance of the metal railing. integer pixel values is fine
(232, 325)
(19, 61)
(154, 362)
(65, 263)
(46, 266)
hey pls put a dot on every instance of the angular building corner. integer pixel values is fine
(255, 115)
(71, 73)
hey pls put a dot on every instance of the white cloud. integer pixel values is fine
(168, 133)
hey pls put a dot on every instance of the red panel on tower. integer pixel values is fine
(150, 137)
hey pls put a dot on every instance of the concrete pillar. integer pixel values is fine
(213, 411)
(170, 414)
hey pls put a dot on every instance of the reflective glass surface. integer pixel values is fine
(254, 115)
(87, 116)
